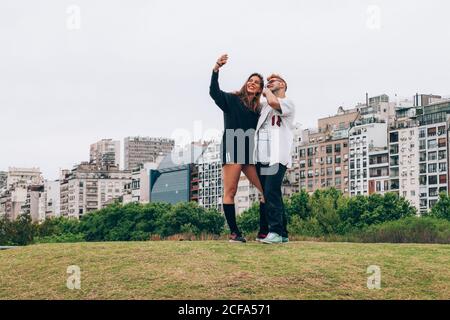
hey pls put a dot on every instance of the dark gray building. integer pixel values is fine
(175, 179)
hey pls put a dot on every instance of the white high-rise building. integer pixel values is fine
(404, 155)
(369, 159)
(53, 199)
(433, 157)
(210, 193)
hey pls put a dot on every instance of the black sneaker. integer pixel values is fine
(235, 238)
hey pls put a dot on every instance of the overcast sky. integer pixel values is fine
(142, 67)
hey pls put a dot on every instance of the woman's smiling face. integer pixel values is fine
(254, 85)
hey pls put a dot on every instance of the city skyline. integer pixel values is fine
(128, 67)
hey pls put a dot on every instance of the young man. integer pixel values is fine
(274, 140)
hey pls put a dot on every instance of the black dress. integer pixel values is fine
(240, 125)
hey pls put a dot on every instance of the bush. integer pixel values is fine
(408, 230)
(191, 218)
(442, 208)
(299, 205)
(248, 221)
(360, 211)
(57, 226)
(306, 228)
(62, 238)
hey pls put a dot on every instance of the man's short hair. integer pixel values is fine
(277, 76)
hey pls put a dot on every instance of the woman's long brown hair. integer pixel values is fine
(254, 104)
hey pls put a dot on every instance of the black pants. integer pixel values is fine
(274, 219)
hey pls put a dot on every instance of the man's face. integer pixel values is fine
(275, 84)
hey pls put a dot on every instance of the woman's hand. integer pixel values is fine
(221, 62)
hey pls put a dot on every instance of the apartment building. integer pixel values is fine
(291, 183)
(105, 153)
(378, 107)
(141, 150)
(210, 178)
(12, 200)
(433, 153)
(16, 194)
(369, 158)
(246, 195)
(404, 155)
(324, 153)
(52, 193)
(35, 203)
(24, 177)
(139, 188)
(88, 188)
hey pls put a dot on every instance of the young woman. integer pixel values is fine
(241, 113)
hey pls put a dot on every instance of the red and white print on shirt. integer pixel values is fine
(276, 120)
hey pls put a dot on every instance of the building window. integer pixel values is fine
(432, 168)
(378, 186)
(423, 168)
(422, 145)
(422, 133)
(302, 153)
(442, 143)
(423, 180)
(432, 180)
(442, 155)
(393, 137)
(433, 192)
(432, 144)
(432, 156)
(337, 148)
(443, 179)
(329, 171)
(423, 156)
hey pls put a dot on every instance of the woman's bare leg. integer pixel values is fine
(252, 175)
(231, 175)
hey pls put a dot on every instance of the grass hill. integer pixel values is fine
(219, 270)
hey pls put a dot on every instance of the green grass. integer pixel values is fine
(218, 270)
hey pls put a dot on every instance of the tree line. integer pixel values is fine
(326, 214)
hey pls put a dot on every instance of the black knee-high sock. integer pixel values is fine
(230, 215)
(263, 223)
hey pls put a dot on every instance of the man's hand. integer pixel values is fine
(272, 99)
(221, 62)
